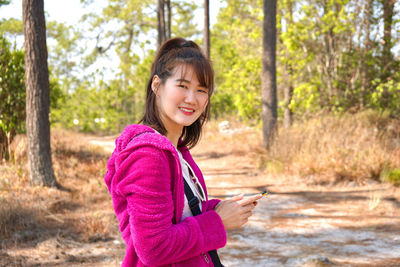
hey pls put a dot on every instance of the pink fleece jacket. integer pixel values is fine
(145, 181)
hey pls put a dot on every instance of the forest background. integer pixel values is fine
(337, 64)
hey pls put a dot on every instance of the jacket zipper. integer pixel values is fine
(205, 257)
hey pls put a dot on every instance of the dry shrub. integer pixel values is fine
(332, 148)
(95, 226)
(18, 149)
(80, 167)
(75, 160)
(15, 218)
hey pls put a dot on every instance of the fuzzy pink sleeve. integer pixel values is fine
(145, 182)
(212, 203)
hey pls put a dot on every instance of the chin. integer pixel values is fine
(187, 122)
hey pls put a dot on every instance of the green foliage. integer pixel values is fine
(4, 2)
(236, 53)
(63, 45)
(12, 26)
(392, 176)
(129, 21)
(57, 98)
(305, 98)
(183, 24)
(386, 96)
(12, 94)
(12, 89)
(105, 107)
(323, 53)
(243, 83)
(106, 100)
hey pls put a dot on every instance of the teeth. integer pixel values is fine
(187, 110)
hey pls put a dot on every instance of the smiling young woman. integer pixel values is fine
(181, 100)
(158, 192)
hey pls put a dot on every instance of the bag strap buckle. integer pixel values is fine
(194, 202)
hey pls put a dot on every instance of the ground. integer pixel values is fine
(299, 223)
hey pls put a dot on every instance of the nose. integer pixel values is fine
(190, 96)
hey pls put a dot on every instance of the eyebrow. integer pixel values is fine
(186, 81)
(182, 80)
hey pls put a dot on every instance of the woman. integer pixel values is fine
(151, 161)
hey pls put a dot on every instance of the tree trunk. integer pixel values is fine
(288, 89)
(288, 114)
(168, 30)
(37, 94)
(206, 31)
(268, 88)
(387, 58)
(161, 22)
(367, 47)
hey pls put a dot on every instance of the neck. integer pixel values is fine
(174, 137)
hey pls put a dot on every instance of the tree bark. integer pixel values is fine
(37, 94)
(161, 22)
(288, 89)
(206, 30)
(388, 8)
(268, 80)
(169, 14)
(367, 47)
(288, 114)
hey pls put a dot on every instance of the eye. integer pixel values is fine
(202, 90)
(182, 86)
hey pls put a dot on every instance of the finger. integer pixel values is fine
(248, 215)
(248, 200)
(237, 197)
(248, 207)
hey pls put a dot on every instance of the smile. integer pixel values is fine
(187, 110)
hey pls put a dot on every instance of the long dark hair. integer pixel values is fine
(171, 54)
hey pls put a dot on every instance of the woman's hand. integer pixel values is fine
(235, 212)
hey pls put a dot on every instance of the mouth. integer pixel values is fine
(187, 111)
(190, 110)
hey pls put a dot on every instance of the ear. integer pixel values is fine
(155, 84)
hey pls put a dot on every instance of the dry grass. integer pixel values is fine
(28, 213)
(328, 148)
(15, 214)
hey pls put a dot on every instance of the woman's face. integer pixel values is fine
(181, 99)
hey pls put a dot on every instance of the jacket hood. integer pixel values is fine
(121, 144)
(128, 134)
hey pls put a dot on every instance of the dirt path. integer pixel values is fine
(295, 225)
(300, 225)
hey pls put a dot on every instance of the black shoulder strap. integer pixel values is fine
(195, 208)
(192, 199)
